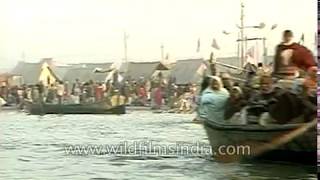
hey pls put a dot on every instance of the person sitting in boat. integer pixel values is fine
(260, 101)
(186, 103)
(234, 105)
(213, 101)
(290, 57)
(309, 97)
(226, 80)
(310, 82)
(35, 94)
(51, 96)
(60, 92)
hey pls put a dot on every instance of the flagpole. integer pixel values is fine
(242, 34)
(162, 52)
(125, 47)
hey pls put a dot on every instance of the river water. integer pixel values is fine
(34, 147)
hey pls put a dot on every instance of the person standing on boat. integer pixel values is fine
(290, 57)
(158, 96)
(213, 101)
(60, 91)
(204, 85)
(51, 96)
(98, 92)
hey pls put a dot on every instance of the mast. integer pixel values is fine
(242, 35)
(125, 37)
(162, 52)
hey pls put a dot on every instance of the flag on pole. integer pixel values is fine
(274, 26)
(250, 52)
(215, 44)
(225, 32)
(251, 55)
(202, 69)
(302, 39)
(198, 45)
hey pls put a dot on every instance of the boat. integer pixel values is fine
(41, 109)
(9, 108)
(301, 149)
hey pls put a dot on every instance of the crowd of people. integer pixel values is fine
(155, 93)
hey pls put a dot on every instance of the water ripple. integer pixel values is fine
(33, 147)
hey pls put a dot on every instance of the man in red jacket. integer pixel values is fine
(290, 57)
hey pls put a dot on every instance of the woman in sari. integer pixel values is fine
(213, 101)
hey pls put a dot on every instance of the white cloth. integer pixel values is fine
(2, 101)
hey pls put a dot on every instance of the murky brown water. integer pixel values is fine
(33, 147)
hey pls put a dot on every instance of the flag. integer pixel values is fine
(202, 69)
(215, 44)
(302, 39)
(274, 26)
(225, 32)
(198, 45)
(251, 56)
(250, 52)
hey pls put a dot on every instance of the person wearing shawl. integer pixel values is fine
(235, 103)
(290, 57)
(213, 101)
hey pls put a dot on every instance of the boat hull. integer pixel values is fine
(302, 149)
(40, 109)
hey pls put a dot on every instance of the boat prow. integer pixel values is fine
(300, 149)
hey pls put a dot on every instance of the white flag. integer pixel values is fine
(251, 56)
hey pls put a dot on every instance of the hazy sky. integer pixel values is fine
(92, 30)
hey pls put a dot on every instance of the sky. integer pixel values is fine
(72, 31)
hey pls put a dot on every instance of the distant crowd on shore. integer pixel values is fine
(155, 93)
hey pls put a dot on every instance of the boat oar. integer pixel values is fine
(258, 148)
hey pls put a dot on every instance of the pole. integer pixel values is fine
(245, 44)
(125, 47)
(238, 47)
(264, 51)
(242, 35)
(162, 52)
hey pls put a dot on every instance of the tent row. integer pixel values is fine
(182, 71)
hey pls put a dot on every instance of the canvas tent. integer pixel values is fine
(136, 70)
(189, 71)
(85, 72)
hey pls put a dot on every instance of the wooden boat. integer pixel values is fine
(40, 109)
(9, 108)
(302, 149)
